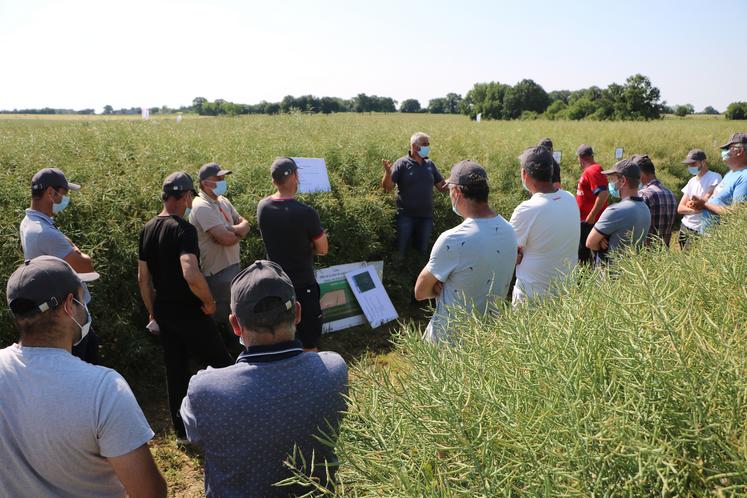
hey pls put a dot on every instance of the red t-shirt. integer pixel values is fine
(592, 182)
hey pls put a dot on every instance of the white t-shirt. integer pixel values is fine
(547, 228)
(475, 261)
(60, 419)
(699, 186)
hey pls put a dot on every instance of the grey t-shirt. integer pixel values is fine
(249, 416)
(415, 186)
(475, 261)
(625, 223)
(60, 419)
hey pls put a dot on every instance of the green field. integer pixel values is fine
(121, 164)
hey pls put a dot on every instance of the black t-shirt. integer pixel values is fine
(415, 183)
(162, 241)
(288, 228)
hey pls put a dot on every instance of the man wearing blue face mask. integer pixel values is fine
(41, 237)
(415, 175)
(220, 228)
(733, 189)
(702, 185)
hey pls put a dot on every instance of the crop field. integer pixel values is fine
(535, 402)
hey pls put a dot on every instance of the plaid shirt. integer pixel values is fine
(663, 206)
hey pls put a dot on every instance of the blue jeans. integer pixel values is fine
(413, 231)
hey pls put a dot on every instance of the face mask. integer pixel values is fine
(725, 154)
(220, 187)
(57, 207)
(523, 184)
(613, 190)
(454, 208)
(424, 150)
(86, 326)
(693, 170)
(186, 213)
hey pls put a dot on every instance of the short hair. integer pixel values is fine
(477, 192)
(416, 138)
(646, 165)
(267, 321)
(165, 196)
(35, 323)
(542, 172)
(39, 193)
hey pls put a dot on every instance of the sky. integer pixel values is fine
(148, 53)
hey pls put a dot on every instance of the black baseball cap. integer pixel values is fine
(467, 173)
(179, 181)
(282, 167)
(258, 281)
(626, 168)
(694, 156)
(51, 177)
(584, 150)
(43, 283)
(736, 138)
(212, 169)
(643, 161)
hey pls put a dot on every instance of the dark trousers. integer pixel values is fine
(220, 288)
(584, 253)
(413, 231)
(686, 237)
(88, 349)
(182, 339)
(309, 329)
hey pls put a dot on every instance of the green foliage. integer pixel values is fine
(410, 105)
(684, 110)
(627, 385)
(710, 110)
(736, 110)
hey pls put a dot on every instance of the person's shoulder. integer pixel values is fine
(208, 379)
(333, 361)
(198, 203)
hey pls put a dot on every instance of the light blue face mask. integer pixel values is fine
(186, 213)
(424, 151)
(523, 184)
(693, 170)
(613, 190)
(725, 154)
(454, 208)
(220, 187)
(56, 208)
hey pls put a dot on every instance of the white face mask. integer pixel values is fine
(86, 326)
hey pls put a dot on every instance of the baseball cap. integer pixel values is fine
(539, 155)
(282, 167)
(643, 161)
(626, 168)
(467, 173)
(43, 283)
(178, 181)
(737, 138)
(258, 281)
(584, 150)
(212, 169)
(694, 156)
(546, 142)
(51, 177)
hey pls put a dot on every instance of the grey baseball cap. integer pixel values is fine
(43, 283)
(694, 156)
(260, 280)
(737, 138)
(212, 169)
(51, 177)
(539, 155)
(282, 167)
(626, 168)
(178, 181)
(643, 161)
(584, 150)
(467, 173)
(546, 142)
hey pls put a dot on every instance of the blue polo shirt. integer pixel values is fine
(732, 190)
(41, 237)
(248, 417)
(415, 183)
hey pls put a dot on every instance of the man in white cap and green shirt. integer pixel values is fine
(220, 228)
(471, 265)
(41, 237)
(702, 185)
(67, 428)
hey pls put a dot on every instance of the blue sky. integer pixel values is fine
(89, 53)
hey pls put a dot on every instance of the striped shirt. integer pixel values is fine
(663, 206)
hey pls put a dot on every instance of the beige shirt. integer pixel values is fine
(205, 215)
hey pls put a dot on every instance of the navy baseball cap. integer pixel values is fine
(282, 167)
(212, 169)
(51, 177)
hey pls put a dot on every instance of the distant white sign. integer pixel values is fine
(556, 154)
(478, 117)
(619, 153)
(312, 173)
(178, 118)
(145, 113)
(371, 296)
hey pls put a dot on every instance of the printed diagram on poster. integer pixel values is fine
(619, 153)
(372, 296)
(340, 308)
(312, 174)
(556, 154)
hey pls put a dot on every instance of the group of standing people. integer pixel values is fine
(71, 427)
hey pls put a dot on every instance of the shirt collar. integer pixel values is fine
(202, 195)
(655, 181)
(33, 213)
(272, 352)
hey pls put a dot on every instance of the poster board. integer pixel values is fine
(312, 175)
(619, 153)
(556, 154)
(340, 308)
(371, 296)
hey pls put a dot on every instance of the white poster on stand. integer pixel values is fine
(556, 154)
(312, 174)
(340, 309)
(372, 296)
(145, 112)
(619, 153)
